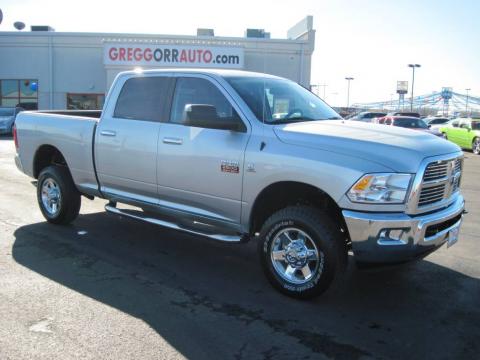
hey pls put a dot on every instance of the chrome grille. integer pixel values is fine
(431, 195)
(441, 180)
(458, 165)
(435, 171)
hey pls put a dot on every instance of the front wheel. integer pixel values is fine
(57, 196)
(301, 251)
(476, 146)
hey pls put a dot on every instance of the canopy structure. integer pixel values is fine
(429, 103)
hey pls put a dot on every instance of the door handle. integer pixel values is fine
(108, 133)
(172, 141)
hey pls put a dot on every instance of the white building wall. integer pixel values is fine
(73, 62)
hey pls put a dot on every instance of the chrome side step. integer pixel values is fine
(171, 225)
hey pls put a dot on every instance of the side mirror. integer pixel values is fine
(205, 116)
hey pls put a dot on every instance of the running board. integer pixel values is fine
(171, 225)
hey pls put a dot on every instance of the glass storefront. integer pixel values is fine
(19, 93)
(85, 101)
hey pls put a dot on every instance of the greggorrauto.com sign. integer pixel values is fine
(173, 55)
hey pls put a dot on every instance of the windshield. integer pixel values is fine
(412, 123)
(7, 112)
(436, 121)
(278, 101)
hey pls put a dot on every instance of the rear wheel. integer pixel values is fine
(57, 196)
(476, 146)
(301, 251)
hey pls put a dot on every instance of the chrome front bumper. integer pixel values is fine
(394, 237)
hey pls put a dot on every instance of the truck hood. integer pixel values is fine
(396, 148)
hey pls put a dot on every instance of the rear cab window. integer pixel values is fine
(144, 98)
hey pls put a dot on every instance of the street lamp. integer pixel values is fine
(413, 66)
(466, 104)
(348, 78)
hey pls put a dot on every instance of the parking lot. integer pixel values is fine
(108, 287)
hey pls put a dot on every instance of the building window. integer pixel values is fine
(19, 93)
(85, 101)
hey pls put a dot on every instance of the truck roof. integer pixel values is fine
(217, 72)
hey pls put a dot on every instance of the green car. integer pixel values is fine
(464, 132)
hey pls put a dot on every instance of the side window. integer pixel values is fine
(195, 91)
(455, 124)
(142, 98)
(465, 125)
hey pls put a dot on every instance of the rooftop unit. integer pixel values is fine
(205, 32)
(41, 28)
(257, 33)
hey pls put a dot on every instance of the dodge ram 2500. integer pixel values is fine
(233, 156)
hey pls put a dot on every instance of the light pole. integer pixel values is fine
(348, 78)
(413, 66)
(466, 104)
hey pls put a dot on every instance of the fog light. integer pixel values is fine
(392, 237)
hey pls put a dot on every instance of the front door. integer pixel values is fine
(200, 170)
(127, 136)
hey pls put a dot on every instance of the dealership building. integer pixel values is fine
(46, 69)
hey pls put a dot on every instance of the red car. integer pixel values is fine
(409, 122)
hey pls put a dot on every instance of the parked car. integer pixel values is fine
(436, 122)
(201, 151)
(413, 123)
(403, 113)
(465, 132)
(367, 116)
(7, 118)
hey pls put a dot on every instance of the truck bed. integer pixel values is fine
(94, 114)
(69, 131)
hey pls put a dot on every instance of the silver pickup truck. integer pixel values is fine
(234, 156)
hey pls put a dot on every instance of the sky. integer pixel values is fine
(370, 40)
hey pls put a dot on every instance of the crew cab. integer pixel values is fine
(235, 156)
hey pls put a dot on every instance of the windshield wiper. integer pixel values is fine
(286, 121)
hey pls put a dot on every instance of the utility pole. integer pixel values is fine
(413, 66)
(348, 78)
(466, 104)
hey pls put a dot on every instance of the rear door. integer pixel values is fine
(200, 170)
(127, 136)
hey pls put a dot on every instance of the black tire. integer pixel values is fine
(68, 201)
(328, 241)
(476, 146)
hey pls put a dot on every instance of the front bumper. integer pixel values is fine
(394, 237)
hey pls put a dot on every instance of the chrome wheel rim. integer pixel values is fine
(295, 256)
(476, 147)
(51, 196)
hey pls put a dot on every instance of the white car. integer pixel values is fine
(435, 123)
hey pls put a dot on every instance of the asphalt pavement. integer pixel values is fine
(106, 287)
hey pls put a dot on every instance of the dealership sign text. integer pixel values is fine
(173, 55)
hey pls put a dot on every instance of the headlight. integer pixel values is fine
(380, 188)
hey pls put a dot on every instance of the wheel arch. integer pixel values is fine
(281, 194)
(47, 155)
